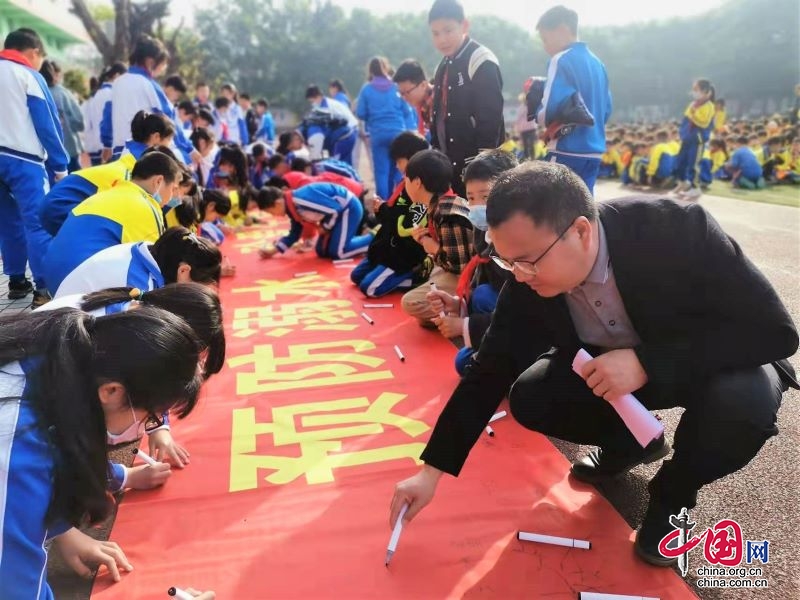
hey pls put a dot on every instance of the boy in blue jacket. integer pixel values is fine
(576, 83)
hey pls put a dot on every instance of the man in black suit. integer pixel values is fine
(669, 306)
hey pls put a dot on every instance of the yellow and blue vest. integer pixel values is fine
(122, 215)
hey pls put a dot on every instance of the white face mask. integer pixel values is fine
(132, 433)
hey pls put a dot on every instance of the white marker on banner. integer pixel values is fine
(306, 274)
(179, 594)
(498, 415)
(378, 305)
(435, 289)
(367, 318)
(398, 529)
(343, 261)
(399, 354)
(525, 536)
(148, 459)
(490, 431)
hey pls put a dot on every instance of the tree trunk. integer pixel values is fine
(94, 30)
(122, 30)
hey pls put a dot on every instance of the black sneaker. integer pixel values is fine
(40, 298)
(19, 288)
(599, 466)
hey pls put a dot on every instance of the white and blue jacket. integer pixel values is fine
(122, 265)
(131, 92)
(30, 129)
(27, 468)
(577, 69)
(93, 111)
(319, 203)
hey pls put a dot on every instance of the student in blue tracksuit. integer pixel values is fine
(68, 379)
(178, 256)
(332, 208)
(94, 109)
(330, 127)
(266, 131)
(30, 138)
(148, 131)
(575, 78)
(385, 115)
(134, 91)
(131, 211)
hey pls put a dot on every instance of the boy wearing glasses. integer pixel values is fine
(468, 91)
(671, 309)
(418, 92)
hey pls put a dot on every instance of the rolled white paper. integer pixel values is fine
(524, 536)
(640, 421)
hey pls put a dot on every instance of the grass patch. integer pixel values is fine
(785, 195)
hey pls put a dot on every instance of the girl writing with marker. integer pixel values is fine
(67, 380)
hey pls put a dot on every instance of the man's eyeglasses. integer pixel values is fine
(408, 91)
(527, 267)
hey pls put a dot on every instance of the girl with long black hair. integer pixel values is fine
(67, 380)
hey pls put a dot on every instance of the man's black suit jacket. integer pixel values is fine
(698, 304)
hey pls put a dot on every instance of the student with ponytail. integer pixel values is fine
(178, 256)
(196, 304)
(69, 380)
(150, 132)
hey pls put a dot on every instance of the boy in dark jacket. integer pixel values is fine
(468, 91)
(394, 260)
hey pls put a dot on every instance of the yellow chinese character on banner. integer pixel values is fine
(329, 363)
(274, 319)
(319, 450)
(313, 285)
(249, 241)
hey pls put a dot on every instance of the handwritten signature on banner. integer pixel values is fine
(309, 440)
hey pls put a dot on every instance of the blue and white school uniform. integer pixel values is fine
(27, 468)
(30, 138)
(123, 265)
(93, 111)
(336, 211)
(334, 128)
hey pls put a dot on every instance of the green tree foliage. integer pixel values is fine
(748, 48)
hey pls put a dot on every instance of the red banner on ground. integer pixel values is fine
(296, 447)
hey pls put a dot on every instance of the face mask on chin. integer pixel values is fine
(132, 433)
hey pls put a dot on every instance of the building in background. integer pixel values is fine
(62, 32)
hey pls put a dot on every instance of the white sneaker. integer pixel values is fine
(683, 186)
(692, 195)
